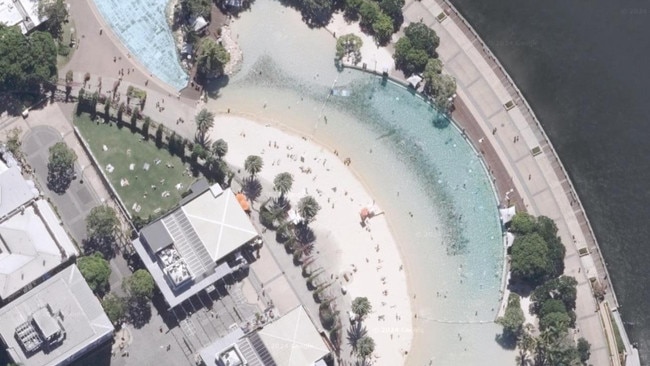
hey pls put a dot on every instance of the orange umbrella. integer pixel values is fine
(243, 201)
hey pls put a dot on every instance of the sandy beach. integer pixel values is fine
(371, 254)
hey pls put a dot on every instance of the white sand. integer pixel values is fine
(347, 241)
(375, 57)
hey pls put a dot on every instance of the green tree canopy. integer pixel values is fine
(422, 38)
(60, 167)
(349, 46)
(382, 29)
(195, 8)
(562, 288)
(316, 13)
(115, 307)
(365, 347)
(442, 88)
(283, 183)
(393, 8)
(26, 62)
(96, 270)
(409, 59)
(584, 349)
(529, 259)
(361, 306)
(523, 223)
(308, 208)
(101, 222)
(556, 320)
(56, 13)
(253, 164)
(204, 122)
(220, 148)
(369, 12)
(212, 58)
(513, 318)
(139, 285)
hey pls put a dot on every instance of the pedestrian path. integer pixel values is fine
(509, 125)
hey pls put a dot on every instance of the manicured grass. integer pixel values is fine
(125, 148)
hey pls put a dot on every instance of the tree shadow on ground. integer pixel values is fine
(520, 288)
(252, 188)
(105, 246)
(159, 303)
(213, 86)
(506, 340)
(440, 121)
(139, 313)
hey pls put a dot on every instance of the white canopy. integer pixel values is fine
(507, 214)
(414, 80)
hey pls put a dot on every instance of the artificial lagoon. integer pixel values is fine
(431, 183)
(142, 27)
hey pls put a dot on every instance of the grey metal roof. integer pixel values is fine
(188, 243)
(76, 308)
(156, 236)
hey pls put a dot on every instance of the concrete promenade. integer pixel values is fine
(509, 126)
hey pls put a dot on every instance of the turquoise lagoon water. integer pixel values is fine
(452, 246)
(142, 27)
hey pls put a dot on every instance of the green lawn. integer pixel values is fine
(145, 188)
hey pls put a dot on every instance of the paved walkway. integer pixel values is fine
(484, 89)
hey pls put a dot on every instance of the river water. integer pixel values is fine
(583, 68)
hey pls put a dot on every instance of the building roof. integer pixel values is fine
(157, 236)
(27, 249)
(62, 305)
(15, 191)
(220, 222)
(194, 238)
(23, 13)
(293, 340)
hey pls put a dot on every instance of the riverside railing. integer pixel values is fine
(530, 117)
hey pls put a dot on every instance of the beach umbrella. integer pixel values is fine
(365, 213)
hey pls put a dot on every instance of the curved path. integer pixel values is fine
(519, 141)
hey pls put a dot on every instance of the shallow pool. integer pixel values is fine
(142, 27)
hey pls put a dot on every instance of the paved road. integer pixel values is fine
(78, 200)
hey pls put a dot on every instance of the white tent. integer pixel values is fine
(199, 23)
(414, 80)
(507, 214)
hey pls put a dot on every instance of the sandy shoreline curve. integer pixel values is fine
(370, 254)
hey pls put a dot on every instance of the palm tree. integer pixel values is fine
(526, 346)
(204, 122)
(365, 347)
(220, 148)
(253, 164)
(355, 333)
(282, 184)
(308, 208)
(361, 306)
(212, 58)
